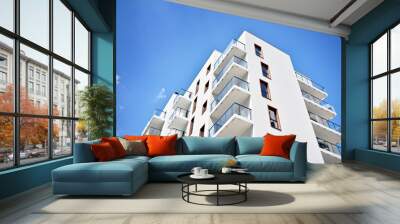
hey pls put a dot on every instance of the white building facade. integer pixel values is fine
(252, 89)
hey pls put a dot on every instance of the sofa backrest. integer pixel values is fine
(206, 145)
(83, 152)
(249, 145)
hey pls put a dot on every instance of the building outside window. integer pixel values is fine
(206, 86)
(274, 118)
(191, 126)
(197, 86)
(385, 92)
(265, 90)
(194, 105)
(3, 78)
(208, 69)
(201, 133)
(265, 70)
(55, 137)
(204, 107)
(258, 51)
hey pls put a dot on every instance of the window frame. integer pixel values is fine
(16, 115)
(388, 75)
(270, 108)
(259, 53)
(268, 96)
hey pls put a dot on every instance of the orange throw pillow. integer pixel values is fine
(275, 145)
(103, 152)
(161, 145)
(135, 138)
(116, 145)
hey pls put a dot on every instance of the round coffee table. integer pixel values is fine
(238, 179)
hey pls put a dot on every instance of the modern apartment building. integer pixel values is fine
(251, 89)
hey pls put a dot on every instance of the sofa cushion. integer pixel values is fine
(116, 145)
(249, 145)
(161, 145)
(277, 145)
(200, 145)
(112, 171)
(103, 152)
(83, 152)
(257, 163)
(185, 163)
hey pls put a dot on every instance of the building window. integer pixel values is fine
(265, 70)
(258, 51)
(3, 78)
(191, 126)
(197, 87)
(201, 133)
(194, 105)
(204, 107)
(208, 69)
(274, 118)
(265, 90)
(385, 93)
(206, 86)
(54, 135)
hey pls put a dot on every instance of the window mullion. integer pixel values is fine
(389, 104)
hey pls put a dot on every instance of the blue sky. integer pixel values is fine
(161, 46)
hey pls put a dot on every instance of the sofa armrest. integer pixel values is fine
(83, 152)
(298, 155)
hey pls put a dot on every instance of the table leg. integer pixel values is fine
(245, 193)
(195, 188)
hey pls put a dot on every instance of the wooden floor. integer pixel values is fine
(352, 182)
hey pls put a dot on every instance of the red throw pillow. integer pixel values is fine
(116, 145)
(161, 145)
(103, 152)
(275, 145)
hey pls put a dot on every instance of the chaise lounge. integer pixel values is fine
(125, 176)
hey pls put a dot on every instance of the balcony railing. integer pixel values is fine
(309, 81)
(235, 81)
(179, 112)
(154, 131)
(234, 59)
(233, 43)
(335, 148)
(325, 122)
(183, 92)
(232, 110)
(318, 101)
(178, 132)
(159, 113)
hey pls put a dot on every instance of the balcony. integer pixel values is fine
(182, 99)
(155, 122)
(328, 146)
(235, 67)
(178, 132)
(235, 91)
(178, 119)
(235, 47)
(325, 129)
(235, 121)
(153, 131)
(318, 106)
(310, 86)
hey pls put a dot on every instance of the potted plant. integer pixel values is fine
(96, 103)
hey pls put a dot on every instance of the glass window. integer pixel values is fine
(265, 70)
(6, 142)
(81, 45)
(379, 135)
(34, 21)
(62, 72)
(379, 56)
(258, 50)
(395, 47)
(39, 61)
(395, 95)
(7, 14)
(33, 140)
(81, 131)
(62, 29)
(62, 137)
(273, 117)
(6, 75)
(379, 98)
(81, 82)
(265, 89)
(395, 135)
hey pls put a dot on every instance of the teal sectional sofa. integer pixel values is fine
(125, 176)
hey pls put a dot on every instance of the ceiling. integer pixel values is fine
(328, 16)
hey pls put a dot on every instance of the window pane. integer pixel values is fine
(395, 47)
(7, 14)
(81, 45)
(62, 89)
(6, 142)
(6, 74)
(62, 29)
(81, 82)
(379, 98)
(81, 131)
(35, 21)
(395, 94)
(62, 138)
(379, 56)
(379, 135)
(33, 140)
(34, 96)
(395, 135)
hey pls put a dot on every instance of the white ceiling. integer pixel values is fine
(328, 16)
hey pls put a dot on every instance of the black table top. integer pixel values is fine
(220, 178)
